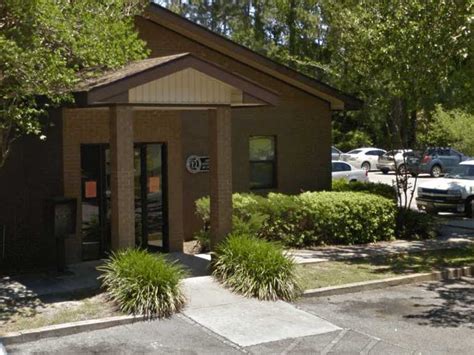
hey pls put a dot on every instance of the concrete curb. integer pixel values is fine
(445, 274)
(66, 329)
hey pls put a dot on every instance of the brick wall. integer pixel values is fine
(301, 122)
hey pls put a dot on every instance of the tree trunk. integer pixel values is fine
(413, 123)
(258, 28)
(291, 24)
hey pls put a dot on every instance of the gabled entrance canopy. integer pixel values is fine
(182, 82)
(181, 79)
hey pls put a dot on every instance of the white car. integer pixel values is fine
(364, 158)
(335, 153)
(452, 193)
(343, 170)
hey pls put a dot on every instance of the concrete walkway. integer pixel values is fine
(244, 321)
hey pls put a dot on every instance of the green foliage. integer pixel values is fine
(247, 216)
(401, 57)
(316, 218)
(414, 225)
(320, 218)
(203, 237)
(380, 189)
(143, 284)
(255, 268)
(351, 139)
(453, 128)
(46, 47)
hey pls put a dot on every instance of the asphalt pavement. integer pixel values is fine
(435, 317)
(390, 179)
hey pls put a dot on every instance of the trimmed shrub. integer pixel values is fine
(315, 218)
(255, 268)
(414, 225)
(246, 218)
(322, 218)
(143, 284)
(380, 189)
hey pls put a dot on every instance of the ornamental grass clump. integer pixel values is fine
(255, 268)
(143, 284)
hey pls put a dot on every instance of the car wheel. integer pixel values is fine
(436, 171)
(365, 165)
(385, 171)
(402, 169)
(469, 211)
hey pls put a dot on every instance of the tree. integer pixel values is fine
(451, 128)
(46, 47)
(401, 55)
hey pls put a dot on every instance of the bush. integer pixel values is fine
(246, 218)
(255, 268)
(414, 225)
(380, 189)
(321, 218)
(143, 284)
(315, 218)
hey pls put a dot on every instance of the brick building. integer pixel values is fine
(202, 116)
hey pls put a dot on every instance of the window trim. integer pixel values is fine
(273, 162)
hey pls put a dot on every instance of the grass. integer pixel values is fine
(334, 273)
(37, 314)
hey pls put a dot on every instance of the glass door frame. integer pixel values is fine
(144, 198)
(103, 204)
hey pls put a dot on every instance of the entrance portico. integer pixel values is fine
(144, 102)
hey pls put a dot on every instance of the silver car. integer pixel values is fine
(393, 160)
(364, 158)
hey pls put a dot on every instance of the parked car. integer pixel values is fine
(335, 153)
(343, 170)
(364, 158)
(452, 193)
(394, 160)
(435, 161)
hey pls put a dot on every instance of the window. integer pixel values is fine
(339, 166)
(375, 152)
(262, 156)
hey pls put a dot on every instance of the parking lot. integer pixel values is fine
(389, 179)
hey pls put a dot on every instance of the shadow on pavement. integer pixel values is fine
(454, 309)
(26, 294)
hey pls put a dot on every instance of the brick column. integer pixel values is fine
(220, 149)
(122, 177)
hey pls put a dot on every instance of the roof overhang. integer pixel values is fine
(114, 87)
(166, 18)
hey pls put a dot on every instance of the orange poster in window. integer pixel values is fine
(91, 189)
(154, 184)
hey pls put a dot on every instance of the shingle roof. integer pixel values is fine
(126, 71)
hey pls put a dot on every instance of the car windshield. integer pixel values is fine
(462, 172)
(355, 151)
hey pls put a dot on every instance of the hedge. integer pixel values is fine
(378, 188)
(312, 218)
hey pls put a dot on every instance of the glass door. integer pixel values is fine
(150, 195)
(95, 183)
